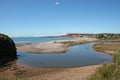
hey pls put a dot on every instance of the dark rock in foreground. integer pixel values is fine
(7, 46)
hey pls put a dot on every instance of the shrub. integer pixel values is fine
(7, 46)
(109, 71)
(116, 58)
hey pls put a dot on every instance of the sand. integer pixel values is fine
(79, 73)
(44, 47)
(48, 47)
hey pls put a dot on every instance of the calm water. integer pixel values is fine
(76, 56)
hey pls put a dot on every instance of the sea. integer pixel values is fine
(37, 39)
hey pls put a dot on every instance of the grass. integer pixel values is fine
(106, 47)
(116, 58)
(112, 40)
(108, 71)
(3, 79)
(13, 79)
(70, 43)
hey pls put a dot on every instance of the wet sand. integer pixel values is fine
(49, 47)
(80, 73)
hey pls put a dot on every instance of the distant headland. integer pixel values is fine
(92, 35)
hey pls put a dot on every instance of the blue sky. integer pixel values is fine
(54, 17)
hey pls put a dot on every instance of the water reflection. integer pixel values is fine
(76, 56)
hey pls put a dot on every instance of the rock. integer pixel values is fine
(7, 46)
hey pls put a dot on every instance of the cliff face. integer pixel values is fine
(7, 46)
(70, 36)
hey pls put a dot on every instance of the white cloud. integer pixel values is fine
(57, 3)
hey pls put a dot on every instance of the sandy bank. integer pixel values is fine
(80, 73)
(44, 47)
(49, 47)
(107, 48)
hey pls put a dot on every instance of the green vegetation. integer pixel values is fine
(13, 79)
(116, 58)
(70, 42)
(107, 36)
(101, 36)
(7, 53)
(3, 79)
(106, 47)
(109, 71)
(75, 42)
(7, 46)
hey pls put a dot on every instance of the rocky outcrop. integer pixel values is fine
(7, 46)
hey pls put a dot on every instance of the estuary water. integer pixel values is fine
(76, 56)
(36, 39)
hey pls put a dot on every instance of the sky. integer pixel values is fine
(58, 17)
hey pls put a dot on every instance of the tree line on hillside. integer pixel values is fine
(108, 36)
(104, 36)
